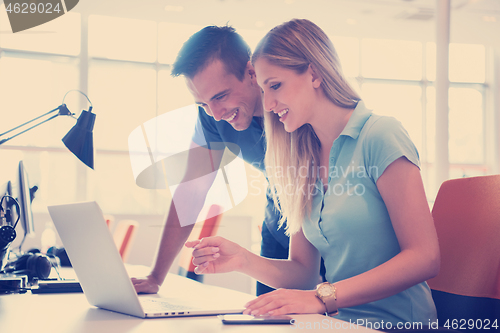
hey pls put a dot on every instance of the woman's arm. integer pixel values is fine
(403, 193)
(300, 271)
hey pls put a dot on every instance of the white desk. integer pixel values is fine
(71, 313)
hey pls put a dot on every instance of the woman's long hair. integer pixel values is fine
(292, 159)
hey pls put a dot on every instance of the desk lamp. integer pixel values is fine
(79, 138)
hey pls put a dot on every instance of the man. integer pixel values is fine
(216, 64)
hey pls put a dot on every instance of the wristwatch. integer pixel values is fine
(327, 293)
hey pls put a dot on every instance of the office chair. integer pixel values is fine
(110, 221)
(124, 235)
(203, 229)
(467, 218)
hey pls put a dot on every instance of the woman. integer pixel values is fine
(349, 189)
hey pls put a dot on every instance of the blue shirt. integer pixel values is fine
(349, 223)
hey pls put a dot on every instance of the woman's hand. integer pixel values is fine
(216, 255)
(285, 301)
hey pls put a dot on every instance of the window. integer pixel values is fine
(113, 186)
(172, 92)
(401, 101)
(122, 39)
(466, 130)
(171, 36)
(31, 86)
(252, 37)
(59, 36)
(129, 83)
(467, 62)
(391, 59)
(348, 51)
(466, 126)
(393, 82)
(124, 96)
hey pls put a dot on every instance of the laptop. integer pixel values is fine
(102, 274)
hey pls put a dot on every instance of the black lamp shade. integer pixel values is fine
(79, 139)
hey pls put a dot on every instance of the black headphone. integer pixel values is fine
(7, 232)
(35, 265)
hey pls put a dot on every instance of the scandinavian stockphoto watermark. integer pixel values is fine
(343, 180)
(161, 157)
(26, 14)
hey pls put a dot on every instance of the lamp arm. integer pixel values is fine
(63, 110)
(32, 120)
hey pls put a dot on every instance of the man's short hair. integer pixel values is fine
(212, 43)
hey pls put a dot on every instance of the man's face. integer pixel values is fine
(226, 98)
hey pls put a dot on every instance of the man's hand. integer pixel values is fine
(146, 285)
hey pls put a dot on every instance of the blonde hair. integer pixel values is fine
(295, 45)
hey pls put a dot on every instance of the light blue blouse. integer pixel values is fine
(349, 223)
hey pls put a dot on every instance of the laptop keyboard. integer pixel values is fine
(158, 304)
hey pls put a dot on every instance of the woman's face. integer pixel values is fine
(289, 95)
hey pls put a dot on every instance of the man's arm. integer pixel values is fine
(188, 198)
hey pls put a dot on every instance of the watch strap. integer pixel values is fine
(331, 305)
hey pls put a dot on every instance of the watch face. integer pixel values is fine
(325, 290)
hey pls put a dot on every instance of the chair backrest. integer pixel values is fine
(203, 229)
(124, 235)
(110, 221)
(467, 218)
